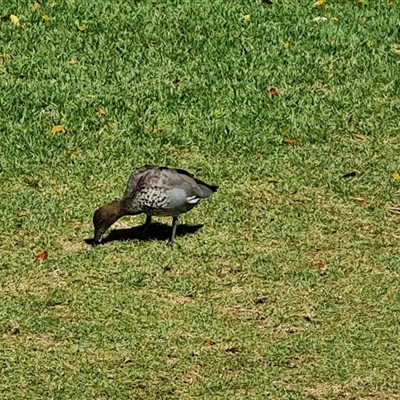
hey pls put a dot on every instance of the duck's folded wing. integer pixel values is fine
(193, 187)
(135, 180)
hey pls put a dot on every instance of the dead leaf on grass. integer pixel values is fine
(289, 141)
(35, 6)
(72, 152)
(396, 176)
(101, 111)
(318, 265)
(320, 19)
(358, 136)
(58, 129)
(273, 92)
(22, 213)
(361, 200)
(319, 3)
(14, 19)
(42, 256)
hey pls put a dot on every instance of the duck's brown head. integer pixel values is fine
(103, 218)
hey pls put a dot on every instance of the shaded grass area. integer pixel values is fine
(284, 285)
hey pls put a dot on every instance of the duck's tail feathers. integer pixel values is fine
(206, 189)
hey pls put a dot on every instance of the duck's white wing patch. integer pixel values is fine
(192, 199)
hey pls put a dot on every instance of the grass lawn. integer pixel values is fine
(284, 284)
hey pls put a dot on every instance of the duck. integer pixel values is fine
(154, 191)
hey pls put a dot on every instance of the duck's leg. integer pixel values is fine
(145, 226)
(174, 225)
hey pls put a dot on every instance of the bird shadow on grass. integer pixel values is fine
(156, 231)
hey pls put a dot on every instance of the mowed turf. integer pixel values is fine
(284, 284)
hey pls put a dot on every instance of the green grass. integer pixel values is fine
(290, 290)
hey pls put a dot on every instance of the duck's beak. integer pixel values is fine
(98, 237)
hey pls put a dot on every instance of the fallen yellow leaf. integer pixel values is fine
(72, 62)
(391, 3)
(396, 176)
(82, 28)
(289, 141)
(397, 51)
(57, 129)
(358, 136)
(319, 3)
(14, 19)
(334, 19)
(247, 17)
(217, 111)
(320, 19)
(35, 6)
(101, 111)
(72, 152)
(45, 17)
(287, 45)
(22, 213)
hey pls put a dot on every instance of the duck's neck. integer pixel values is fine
(127, 207)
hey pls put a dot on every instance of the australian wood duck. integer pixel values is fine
(152, 190)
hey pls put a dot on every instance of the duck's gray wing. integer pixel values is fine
(181, 179)
(136, 179)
